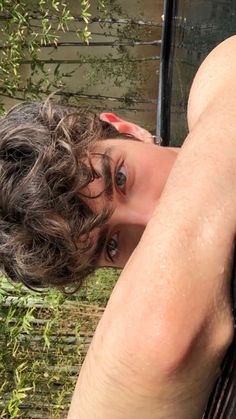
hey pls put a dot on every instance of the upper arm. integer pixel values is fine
(215, 77)
(168, 323)
(149, 355)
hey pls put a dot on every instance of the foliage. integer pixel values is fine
(118, 70)
(22, 40)
(44, 339)
(33, 31)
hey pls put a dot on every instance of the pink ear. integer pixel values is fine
(109, 117)
(126, 127)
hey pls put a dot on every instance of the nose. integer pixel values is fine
(131, 215)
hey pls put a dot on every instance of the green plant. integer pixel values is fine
(22, 41)
(29, 31)
(43, 343)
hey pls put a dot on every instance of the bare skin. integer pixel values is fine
(142, 170)
(157, 350)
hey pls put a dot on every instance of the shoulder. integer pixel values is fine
(215, 76)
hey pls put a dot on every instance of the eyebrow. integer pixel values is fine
(100, 245)
(107, 174)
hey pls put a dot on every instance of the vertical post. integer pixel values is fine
(164, 94)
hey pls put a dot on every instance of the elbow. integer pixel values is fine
(185, 346)
(162, 351)
(172, 351)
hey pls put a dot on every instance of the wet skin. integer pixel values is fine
(139, 173)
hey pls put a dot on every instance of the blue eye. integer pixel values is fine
(121, 177)
(112, 247)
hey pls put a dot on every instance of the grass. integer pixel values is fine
(98, 288)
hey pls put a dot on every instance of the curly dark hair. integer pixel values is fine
(45, 220)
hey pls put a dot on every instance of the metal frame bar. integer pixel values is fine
(165, 81)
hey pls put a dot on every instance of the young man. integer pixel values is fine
(69, 203)
(157, 350)
(77, 191)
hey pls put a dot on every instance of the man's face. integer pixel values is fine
(139, 173)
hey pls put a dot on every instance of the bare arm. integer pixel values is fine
(156, 351)
(214, 82)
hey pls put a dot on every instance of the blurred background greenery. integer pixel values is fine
(43, 340)
(100, 54)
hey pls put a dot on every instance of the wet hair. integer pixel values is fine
(45, 219)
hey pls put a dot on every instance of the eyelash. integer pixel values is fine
(114, 237)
